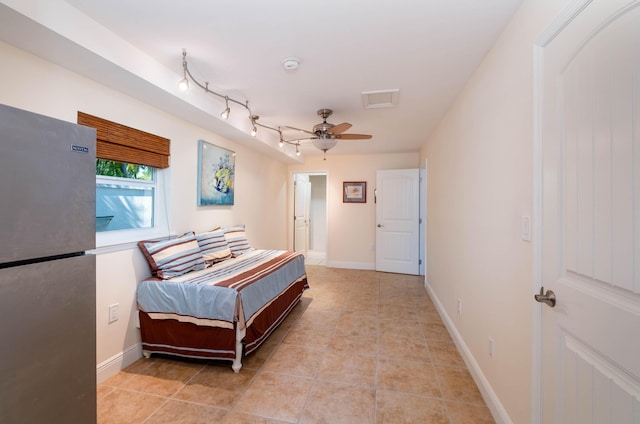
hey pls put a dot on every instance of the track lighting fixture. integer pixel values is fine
(253, 119)
(183, 85)
(225, 113)
(187, 76)
(281, 143)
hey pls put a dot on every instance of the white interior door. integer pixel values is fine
(301, 207)
(397, 221)
(590, 212)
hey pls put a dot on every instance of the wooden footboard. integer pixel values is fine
(186, 339)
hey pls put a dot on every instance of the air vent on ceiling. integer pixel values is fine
(380, 98)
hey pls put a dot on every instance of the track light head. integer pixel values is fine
(254, 129)
(183, 84)
(225, 113)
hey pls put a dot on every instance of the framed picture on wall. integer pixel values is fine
(216, 171)
(354, 192)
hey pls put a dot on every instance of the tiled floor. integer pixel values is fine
(361, 347)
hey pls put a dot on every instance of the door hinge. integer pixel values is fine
(419, 261)
(420, 221)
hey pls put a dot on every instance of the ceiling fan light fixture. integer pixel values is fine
(324, 143)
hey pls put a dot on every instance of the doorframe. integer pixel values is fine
(423, 219)
(572, 10)
(291, 212)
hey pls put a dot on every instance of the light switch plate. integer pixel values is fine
(114, 312)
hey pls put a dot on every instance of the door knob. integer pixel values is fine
(548, 298)
(380, 225)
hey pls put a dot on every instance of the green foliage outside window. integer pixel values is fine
(111, 168)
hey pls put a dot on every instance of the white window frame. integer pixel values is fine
(124, 239)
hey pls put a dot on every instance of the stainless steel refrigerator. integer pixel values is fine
(47, 280)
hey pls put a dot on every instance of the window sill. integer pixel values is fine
(115, 241)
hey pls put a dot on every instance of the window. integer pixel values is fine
(130, 174)
(125, 196)
(130, 203)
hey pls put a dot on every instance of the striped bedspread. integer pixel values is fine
(233, 290)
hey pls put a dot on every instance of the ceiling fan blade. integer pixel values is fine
(353, 136)
(297, 129)
(340, 128)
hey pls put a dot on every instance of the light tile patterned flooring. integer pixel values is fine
(361, 347)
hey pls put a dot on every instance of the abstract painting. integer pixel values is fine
(216, 171)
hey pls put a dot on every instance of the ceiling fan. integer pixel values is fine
(325, 135)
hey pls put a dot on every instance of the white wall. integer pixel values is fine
(479, 186)
(351, 232)
(30, 83)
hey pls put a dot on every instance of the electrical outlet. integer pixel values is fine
(113, 312)
(459, 306)
(491, 347)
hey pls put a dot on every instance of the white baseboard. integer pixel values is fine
(118, 362)
(493, 402)
(352, 265)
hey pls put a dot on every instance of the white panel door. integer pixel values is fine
(590, 235)
(301, 207)
(397, 221)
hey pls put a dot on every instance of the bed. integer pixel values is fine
(221, 310)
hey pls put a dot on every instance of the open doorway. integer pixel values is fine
(310, 216)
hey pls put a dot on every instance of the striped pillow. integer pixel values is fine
(237, 240)
(174, 257)
(213, 246)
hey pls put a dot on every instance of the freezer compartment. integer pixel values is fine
(48, 342)
(47, 184)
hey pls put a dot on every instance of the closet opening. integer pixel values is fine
(310, 216)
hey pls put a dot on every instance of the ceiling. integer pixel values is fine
(427, 49)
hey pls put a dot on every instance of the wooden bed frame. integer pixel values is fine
(206, 339)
